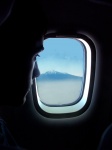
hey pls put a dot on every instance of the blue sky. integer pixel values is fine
(62, 54)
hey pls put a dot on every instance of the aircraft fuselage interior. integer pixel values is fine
(69, 105)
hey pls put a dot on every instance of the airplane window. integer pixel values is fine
(63, 72)
(62, 68)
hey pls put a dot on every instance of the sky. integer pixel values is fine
(66, 55)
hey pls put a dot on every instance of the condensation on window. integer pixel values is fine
(62, 71)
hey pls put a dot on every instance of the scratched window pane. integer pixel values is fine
(62, 68)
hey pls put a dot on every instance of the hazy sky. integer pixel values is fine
(62, 54)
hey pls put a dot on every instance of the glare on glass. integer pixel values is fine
(62, 68)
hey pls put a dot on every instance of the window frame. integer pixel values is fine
(79, 107)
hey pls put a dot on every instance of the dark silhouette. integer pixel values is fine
(21, 39)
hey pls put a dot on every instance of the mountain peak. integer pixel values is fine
(51, 72)
(55, 75)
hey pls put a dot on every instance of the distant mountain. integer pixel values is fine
(55, 75)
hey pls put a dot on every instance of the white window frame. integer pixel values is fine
(81, 103)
